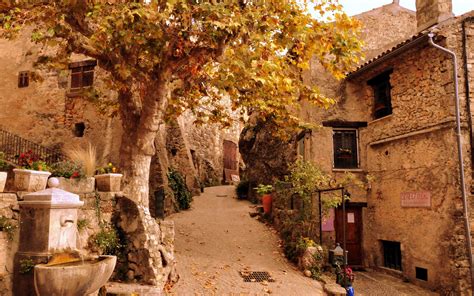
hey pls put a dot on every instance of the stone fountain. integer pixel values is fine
(48, 226)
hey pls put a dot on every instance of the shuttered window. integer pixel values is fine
(345, 149)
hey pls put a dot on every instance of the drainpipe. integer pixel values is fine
(461, 163)
(467, 86)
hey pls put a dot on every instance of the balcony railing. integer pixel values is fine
(13, 145)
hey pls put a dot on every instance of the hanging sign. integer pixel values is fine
(417, 199)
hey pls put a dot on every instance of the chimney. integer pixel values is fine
(432, 12)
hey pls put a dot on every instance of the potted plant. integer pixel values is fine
(345, 277)
(3, 171)
(72, 178)
(33, 174)
(108, 179)
(264, 191)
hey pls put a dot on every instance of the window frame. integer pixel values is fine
(81, 70)
(357, 150)
(23, 79)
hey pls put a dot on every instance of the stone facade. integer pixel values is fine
(47, 112)
(101, 208)
(409, 154)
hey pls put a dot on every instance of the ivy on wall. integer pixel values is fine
(180, 191)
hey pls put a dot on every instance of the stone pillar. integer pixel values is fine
(431, 12)
(48, 224)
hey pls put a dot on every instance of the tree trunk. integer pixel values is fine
(139, 132)
(149, 249)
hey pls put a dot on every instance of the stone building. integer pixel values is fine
(395, 122)
(54, 109)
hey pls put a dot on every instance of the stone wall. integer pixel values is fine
(46, 112)
(100, 208)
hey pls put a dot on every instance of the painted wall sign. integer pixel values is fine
(328, 222)
(417, 199)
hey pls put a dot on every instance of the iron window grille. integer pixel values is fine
(392, 255)
(345, 148)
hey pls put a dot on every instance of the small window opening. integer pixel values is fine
(421, 273)
(23, 79)
(382, 96)
(79, 129)
(174, 151)
(392, 255)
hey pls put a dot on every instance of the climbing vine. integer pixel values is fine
(180, 190)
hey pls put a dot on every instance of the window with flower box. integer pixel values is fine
(345, 149)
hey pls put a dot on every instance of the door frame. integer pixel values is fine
(339, 236)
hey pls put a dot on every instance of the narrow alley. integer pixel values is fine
(217, 240)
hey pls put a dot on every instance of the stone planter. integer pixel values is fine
(30, 180)
(3, 180)
(108, 182)
(77, 185)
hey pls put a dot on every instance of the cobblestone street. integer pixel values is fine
(369, 283)
(217, 239)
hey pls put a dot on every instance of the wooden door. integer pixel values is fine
(230, 155)
(353, 233)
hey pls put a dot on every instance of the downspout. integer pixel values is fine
(467, 87)
(460, 158)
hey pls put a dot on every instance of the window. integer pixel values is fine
(79, 129)
(302, 142)
(421, 273)
(345, 148)
(301, 147)
(23, 79)
(392, 255)
(82, 74)
(382, 98)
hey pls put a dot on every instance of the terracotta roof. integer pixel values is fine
(395, 50)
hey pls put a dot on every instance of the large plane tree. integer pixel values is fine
(164, 57)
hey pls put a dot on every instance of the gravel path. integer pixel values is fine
(217, 239)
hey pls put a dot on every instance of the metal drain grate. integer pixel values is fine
(256, 276)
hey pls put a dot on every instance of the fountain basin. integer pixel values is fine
(77, 278)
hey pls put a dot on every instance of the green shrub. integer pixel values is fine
(180, 190)
(107, 240)
(7, 226)
(26, 265)
(82, 224)
(3, 164)
(66, 169)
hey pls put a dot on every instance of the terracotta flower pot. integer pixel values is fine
(267, 203)
(30, 180)
(108, 182)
